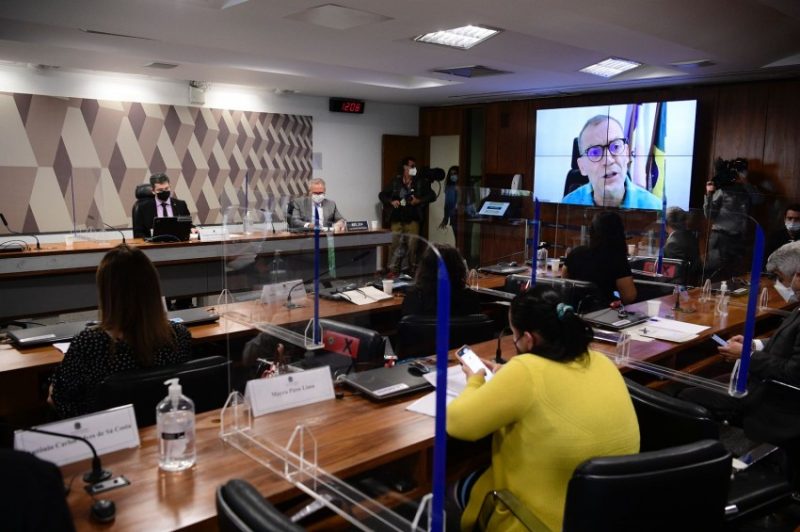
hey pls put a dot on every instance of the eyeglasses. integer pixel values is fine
(615, 147)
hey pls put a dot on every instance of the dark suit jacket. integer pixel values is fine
(144, 213)
(683, 245)
(303, 213)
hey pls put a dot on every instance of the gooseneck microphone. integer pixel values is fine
(270, 220)
(97, 474)
(3, 218)
(291, 305)
(92, 218)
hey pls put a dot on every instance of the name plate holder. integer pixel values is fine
(356, 226)
(110, 430)
(290, 390)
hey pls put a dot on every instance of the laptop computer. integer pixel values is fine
(171, 229)
(609, 318)
(64, 332)
(385, 383)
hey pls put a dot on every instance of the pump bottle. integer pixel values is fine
(175, 426)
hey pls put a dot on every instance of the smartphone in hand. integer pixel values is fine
(468, 357)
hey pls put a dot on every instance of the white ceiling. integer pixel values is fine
(543, 45)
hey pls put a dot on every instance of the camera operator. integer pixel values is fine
(727, 205)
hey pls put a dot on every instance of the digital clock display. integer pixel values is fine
(344, 105)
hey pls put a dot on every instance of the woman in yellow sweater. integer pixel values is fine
(554, 405)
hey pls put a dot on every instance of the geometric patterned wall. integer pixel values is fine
(68, 162)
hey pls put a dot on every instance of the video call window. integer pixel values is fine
(628, 156)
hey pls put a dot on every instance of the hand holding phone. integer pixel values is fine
(468, 357)
(719, 340)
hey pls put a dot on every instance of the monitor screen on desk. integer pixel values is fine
(494, 208)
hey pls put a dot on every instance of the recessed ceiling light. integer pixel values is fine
(462, 38)
(610, 67)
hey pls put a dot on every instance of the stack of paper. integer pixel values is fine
(456, 382)
(364, 296)
(665, 329)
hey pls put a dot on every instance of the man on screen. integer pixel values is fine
(605, 156)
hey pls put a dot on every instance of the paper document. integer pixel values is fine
(364, 296)
(669, 330)
(62, 346)
(456, 382)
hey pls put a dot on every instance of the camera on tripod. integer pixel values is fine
(726, 172)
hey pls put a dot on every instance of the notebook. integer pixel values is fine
(610, 318)
(385, 383)
(64, 332)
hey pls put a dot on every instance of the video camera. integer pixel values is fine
(727, 172)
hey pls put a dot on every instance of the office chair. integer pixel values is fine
(575, 178)
(347, 346)
(666, 421)
(583, 296)
(672, 270)
(204, 381)
(676, 488)
(646, 289)
(144, 192)
(416, 334)
(241, 508)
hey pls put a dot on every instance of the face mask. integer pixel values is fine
(454, 178)
(785, 292)
(317, 198)
(793, 227)
(163, 195)
(412, 171)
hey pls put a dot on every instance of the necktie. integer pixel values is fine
(164, 209)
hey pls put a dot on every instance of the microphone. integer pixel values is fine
(97, 474)
(622, 313)
(497, 354)
(270, 220)
(3, 218)
(92, 218)
(291, 305)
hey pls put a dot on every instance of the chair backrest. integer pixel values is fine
(241, 508)
(416, 334)
(677, 488)
(204, 381)
(581, 295)
(672, 270)
(646, 289)
(144, 191)
(365, 346)
(666, 421)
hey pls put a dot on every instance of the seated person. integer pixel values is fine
(682, 244)
(302, 209)
(553, 405)
(605, 158)
(776, 358)
(164, 204)
(788, 233)
(605, 260)
(421, 298)
(133, 333)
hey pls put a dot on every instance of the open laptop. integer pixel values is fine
(610, 318)
(64, 332)
(171, 229)
(385, 383)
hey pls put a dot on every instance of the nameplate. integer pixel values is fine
(279, 292)
(362, 225)
(109, 431)
(289, 391)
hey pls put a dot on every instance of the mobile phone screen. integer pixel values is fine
(472, 361)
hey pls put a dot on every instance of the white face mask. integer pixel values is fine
(317, 198)
(793, 227)
(412, 171)
(785, 292)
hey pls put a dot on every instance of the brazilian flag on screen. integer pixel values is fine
(656, 161)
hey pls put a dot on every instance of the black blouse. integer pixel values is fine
(89, 360)
(462, 302)
(598, 266)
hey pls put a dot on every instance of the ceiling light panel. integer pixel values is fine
(462, 38)
(610, 67)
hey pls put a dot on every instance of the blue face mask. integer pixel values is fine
(454, 178)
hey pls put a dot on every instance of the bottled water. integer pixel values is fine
(541, 257)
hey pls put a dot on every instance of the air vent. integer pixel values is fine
(161, 66)
(110, 34)
(474, 71)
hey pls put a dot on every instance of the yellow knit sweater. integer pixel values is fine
(547, 417)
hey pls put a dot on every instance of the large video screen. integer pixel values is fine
(634, 156)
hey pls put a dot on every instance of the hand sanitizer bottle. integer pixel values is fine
(722, 302)
(175, 428)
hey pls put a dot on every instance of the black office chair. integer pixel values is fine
(583, 296)
(651, 289)
(241, 508)
(416, 334)
(144, 192)
(575, 178)
(677, 488)
(666, 421)
(347, 347)
(204, 381)
(673, 271)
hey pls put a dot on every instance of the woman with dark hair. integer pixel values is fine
(552, 406)
(451, 202)
(421, 298)
(133, 332)
(605, 260)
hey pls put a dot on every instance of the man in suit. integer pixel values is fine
(164, 204)
(788, 233)
(302, 209)
(775, 358)
(681, 243)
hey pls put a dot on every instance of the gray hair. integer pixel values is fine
(316, 181)
(593, 121)
(785, 259)
(676, 217)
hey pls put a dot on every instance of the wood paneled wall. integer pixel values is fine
(759, 121)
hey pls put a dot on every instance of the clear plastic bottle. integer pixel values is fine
(175, 428)
(277, 269)
(722, 302)
(541, 257)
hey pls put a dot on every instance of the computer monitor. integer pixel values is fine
(171, 229)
